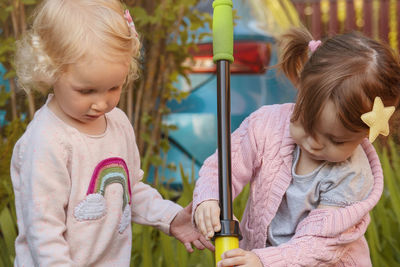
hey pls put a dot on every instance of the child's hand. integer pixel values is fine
(239, 257)
(207, 218)
(182, 229)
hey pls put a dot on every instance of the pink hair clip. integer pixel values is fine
(313, 45)
(129, 20)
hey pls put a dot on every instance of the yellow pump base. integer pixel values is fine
(224, 243)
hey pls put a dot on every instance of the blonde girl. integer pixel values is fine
(76, 170)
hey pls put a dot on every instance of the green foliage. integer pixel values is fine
(383, 232)
(4, 95)
(12, 131)
(7, 48)
(8, 230)
(8, 225)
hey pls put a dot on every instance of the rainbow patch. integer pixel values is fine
(108, 171)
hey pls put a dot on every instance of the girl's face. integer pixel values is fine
(332, 141)
(88, 90)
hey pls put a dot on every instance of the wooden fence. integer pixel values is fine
(379, 19)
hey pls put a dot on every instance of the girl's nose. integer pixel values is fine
(314, 143)
(100, 105)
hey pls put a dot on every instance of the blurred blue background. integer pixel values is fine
(253, 84)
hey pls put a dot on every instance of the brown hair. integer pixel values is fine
(348, 69)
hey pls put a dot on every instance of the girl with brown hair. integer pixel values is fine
(313, 173)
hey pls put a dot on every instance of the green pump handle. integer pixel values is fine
(222, 30)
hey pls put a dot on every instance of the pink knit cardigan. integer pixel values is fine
(262, 151)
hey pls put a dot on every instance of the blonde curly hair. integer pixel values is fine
(66, 31)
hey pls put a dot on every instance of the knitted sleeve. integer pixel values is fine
(312, 250)
(305, 251)
(246, 144)
(42, 184)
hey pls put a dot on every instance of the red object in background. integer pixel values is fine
(250, 57)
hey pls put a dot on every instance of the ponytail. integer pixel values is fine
(294, 52)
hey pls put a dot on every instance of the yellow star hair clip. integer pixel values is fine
(378, 119)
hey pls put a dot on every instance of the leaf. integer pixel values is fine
(187, 191)
(173, 47)
(167, 247)
(140, 16)
(390, 181)
(10, 74)
(164, 145)
(146, 248)
(5, 259)
(383, 231)
(3, 15)
(9, 9)
(184, 36)
(4, 95)
(7, 227)
(155, 160)
(28, 2)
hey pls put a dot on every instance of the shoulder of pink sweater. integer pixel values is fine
(334, 221)
(44, 133)
(277, 113)
(268, 131)
(46, 126)
(267, 120)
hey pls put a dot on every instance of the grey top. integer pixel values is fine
(330, 184)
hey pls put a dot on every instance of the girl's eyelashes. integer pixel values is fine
(86, 91)
(90, 91)
(337, 142)
(115, 88)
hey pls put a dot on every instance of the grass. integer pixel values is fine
(383, 233)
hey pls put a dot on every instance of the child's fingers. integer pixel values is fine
(239, 257)
(233, 253)
(200, 223)
(234, 261)
(215, 220)
(188, 247)
(198, 245)
(233, 257)
(207, 218)
(207, 243)
(209, 223)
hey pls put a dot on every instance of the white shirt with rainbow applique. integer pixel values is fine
(76, 194)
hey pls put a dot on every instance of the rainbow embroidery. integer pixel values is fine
(108, 171)
(112, 170)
